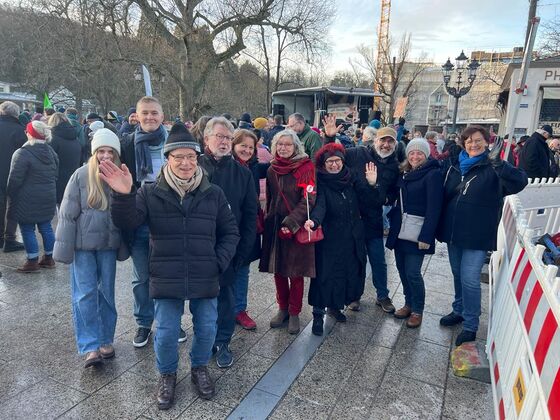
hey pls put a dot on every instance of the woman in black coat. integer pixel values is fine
(474, 189)
(341, 256)
(420, 194)
(65, 143)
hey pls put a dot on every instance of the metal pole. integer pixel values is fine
(456, 108)
(532, 14)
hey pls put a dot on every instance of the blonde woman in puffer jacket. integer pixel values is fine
(87, 239)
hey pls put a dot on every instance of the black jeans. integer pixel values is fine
(7, 227)
(226, 315)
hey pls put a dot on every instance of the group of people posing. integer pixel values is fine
(189, 216)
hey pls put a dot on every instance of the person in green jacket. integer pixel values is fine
(310, 139)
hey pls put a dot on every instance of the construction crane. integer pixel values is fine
(382, 46)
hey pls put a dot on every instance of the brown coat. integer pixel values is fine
(285, 256)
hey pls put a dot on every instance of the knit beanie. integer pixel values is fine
(418, 144)
(260, 123)
(131, 110)
(38, 130)
(93, 116)
(246, 117)
(105, 138)
(327, 151)
(180, 137)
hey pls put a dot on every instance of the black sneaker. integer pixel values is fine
(182, 336)
(13, 246)
(451, 319)
(142, 337)
(336, 314)
(386, 304)
(317, 327)
(224, 357)
(465, 337)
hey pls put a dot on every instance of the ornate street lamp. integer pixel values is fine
(461, 87)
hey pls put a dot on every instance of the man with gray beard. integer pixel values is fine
(376, 170)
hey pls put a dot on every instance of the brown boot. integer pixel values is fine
(46, 261)
(166, 390)
(293, 324)
(30, 266)
(403, 313)
(201, 378)
(414, 321)
(278, 320)
(354, 306)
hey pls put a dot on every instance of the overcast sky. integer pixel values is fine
(440, 28)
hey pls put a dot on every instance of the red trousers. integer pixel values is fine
(289, 293)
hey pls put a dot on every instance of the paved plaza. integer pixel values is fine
(372, 366)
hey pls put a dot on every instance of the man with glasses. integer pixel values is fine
(310, 139)
(237, 183)
(376, 171)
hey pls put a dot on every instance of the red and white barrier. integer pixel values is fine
(524, 335)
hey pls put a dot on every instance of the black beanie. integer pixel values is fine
(93, 116)
(178, 138)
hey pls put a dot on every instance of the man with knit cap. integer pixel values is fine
(376, 171)
(237, 183)
(12, 137)
(194, 236)
(142, 153)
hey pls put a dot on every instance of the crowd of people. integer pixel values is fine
(195, 205)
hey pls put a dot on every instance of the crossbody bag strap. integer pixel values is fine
(402, 202)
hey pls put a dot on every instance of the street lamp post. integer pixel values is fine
(462, 87)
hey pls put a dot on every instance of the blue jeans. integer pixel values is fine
(241, 288)
(466, 266)
(376, 256)
(30, 240)
(168, 314)
(386, 210)
(410, 272)
(93, 298)
(143, 304)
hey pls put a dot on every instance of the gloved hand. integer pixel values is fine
(494, 155)
(285, 233)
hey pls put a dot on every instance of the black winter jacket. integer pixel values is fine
(238, 185)
(32, 184)
(472, 204)
(371, 199)
(12, 137)
(535, 158)
(422, 192)
(192, 242)
(66, 145)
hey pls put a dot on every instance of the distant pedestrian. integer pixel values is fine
(87, 238)
(535, 157)
(310, 139)
(32, 194)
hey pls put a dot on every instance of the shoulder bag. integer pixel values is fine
(411, 225)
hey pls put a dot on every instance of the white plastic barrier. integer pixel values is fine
(524, 336)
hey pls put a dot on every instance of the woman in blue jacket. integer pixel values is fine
(474, 188)
(420, 194)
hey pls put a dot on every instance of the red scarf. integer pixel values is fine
(303, 169)
(240, 161)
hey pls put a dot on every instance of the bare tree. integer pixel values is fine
(550, 39)
(400, 72)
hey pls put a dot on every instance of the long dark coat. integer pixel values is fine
(68, 148)
(285, 256)
(341, 255)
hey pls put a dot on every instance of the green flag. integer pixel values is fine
(47, 102)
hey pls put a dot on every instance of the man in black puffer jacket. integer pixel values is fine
(193, 236)
(372, 196)
(239, 187)
(535, 157)
(12, 137)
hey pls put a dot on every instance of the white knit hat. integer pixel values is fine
(105, 138)
(418, 144)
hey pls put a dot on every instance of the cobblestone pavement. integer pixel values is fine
(370, 367)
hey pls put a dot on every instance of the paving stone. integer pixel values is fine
(128, 396)
(402, 398)
(45, 399)
(437, 282)
(238, 380)
(295, 408)
(467, 399)
(205, 410)
(421, 360)
(273, 343)
(17, 376)
(430, 330)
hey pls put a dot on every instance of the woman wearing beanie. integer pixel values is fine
(286, 213)
(475, 186)
(32, 193)
(87, 238)
(420, 194)
(244, 151)
(341, 255)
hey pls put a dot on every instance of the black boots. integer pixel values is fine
(200, 377)
(166, 390)
(317, 327)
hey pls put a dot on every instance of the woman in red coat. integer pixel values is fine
(286, 213)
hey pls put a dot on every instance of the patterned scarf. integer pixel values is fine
(142, 142)
(182, 186)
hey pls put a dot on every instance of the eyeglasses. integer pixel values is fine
(336, 161)
(221, 137)
(388, 140)
(181, 158)
(279, 145)
(470, 141)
